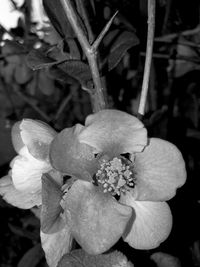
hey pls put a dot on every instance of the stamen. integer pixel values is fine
(115, 176)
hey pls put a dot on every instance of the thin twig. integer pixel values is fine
(34, 107)
(5, 88)
(62, 106)
(167, 57)
(173, 36)
(98, 98)
(149, 49)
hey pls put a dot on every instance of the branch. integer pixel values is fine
(97, 96)
(149, 49)
(31, 104)
(62, 106)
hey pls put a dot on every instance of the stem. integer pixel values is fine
(149, 49)
(91, 54)
(31, 104)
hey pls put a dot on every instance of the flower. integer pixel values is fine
(122, 181)
(22, 186)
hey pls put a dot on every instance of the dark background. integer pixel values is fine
(55, 96)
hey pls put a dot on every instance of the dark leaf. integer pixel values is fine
(85, 10)
(45, 84)
(193, 133)
(59, 20)
(6, 147)
(13, 47)
(74, 50)
(51, 221)
(23, 232)
(57, 52)
(32, 257)
(77, 70)
(79, 258)
(36, 60)
(122, 43)
(22, 74)
(165, 260)
(60, 75)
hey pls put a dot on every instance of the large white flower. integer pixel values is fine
(123, 181)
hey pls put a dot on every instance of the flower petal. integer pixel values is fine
(51, 219)
(96, 220)
(16, 137)
(37, 136)
(160, 170)
(20, 199)
(152, 224)
(27, 171)
(56, 245)
(79, 258)
(69, 156)
(114, 132)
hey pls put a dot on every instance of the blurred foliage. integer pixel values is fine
(43, 74)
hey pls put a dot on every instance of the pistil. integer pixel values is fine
(115, 176)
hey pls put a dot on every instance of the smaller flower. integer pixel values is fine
(31, 140)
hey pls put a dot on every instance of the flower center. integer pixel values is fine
(115, 176)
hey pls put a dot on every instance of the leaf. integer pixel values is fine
(6, 147)
(56, 14)
(165, 260)
(36, 60)
(122, 43)
(51, 221)
(184, 66)
(45, 84)
(22, 73)
(59, 20)
(13, 47)
(195, 250)
(77, 70)
(21, 232)
(193, 133)
(60, 75)
(79, 258)
(32, 257)
(57, 52)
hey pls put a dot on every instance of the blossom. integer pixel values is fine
(121, 182)
(22, 186)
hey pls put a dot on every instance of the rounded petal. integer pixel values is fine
(16, 137)
(51, 219)
(37, 136)
(96, 220)
(160, 170)
(56, 245)
(27, 172)
(20, 199)
(152, 224)
(114, 132)
(69, 156)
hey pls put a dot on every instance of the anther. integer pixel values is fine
(115, 176)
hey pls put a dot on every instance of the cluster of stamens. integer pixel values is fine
(115, 176)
